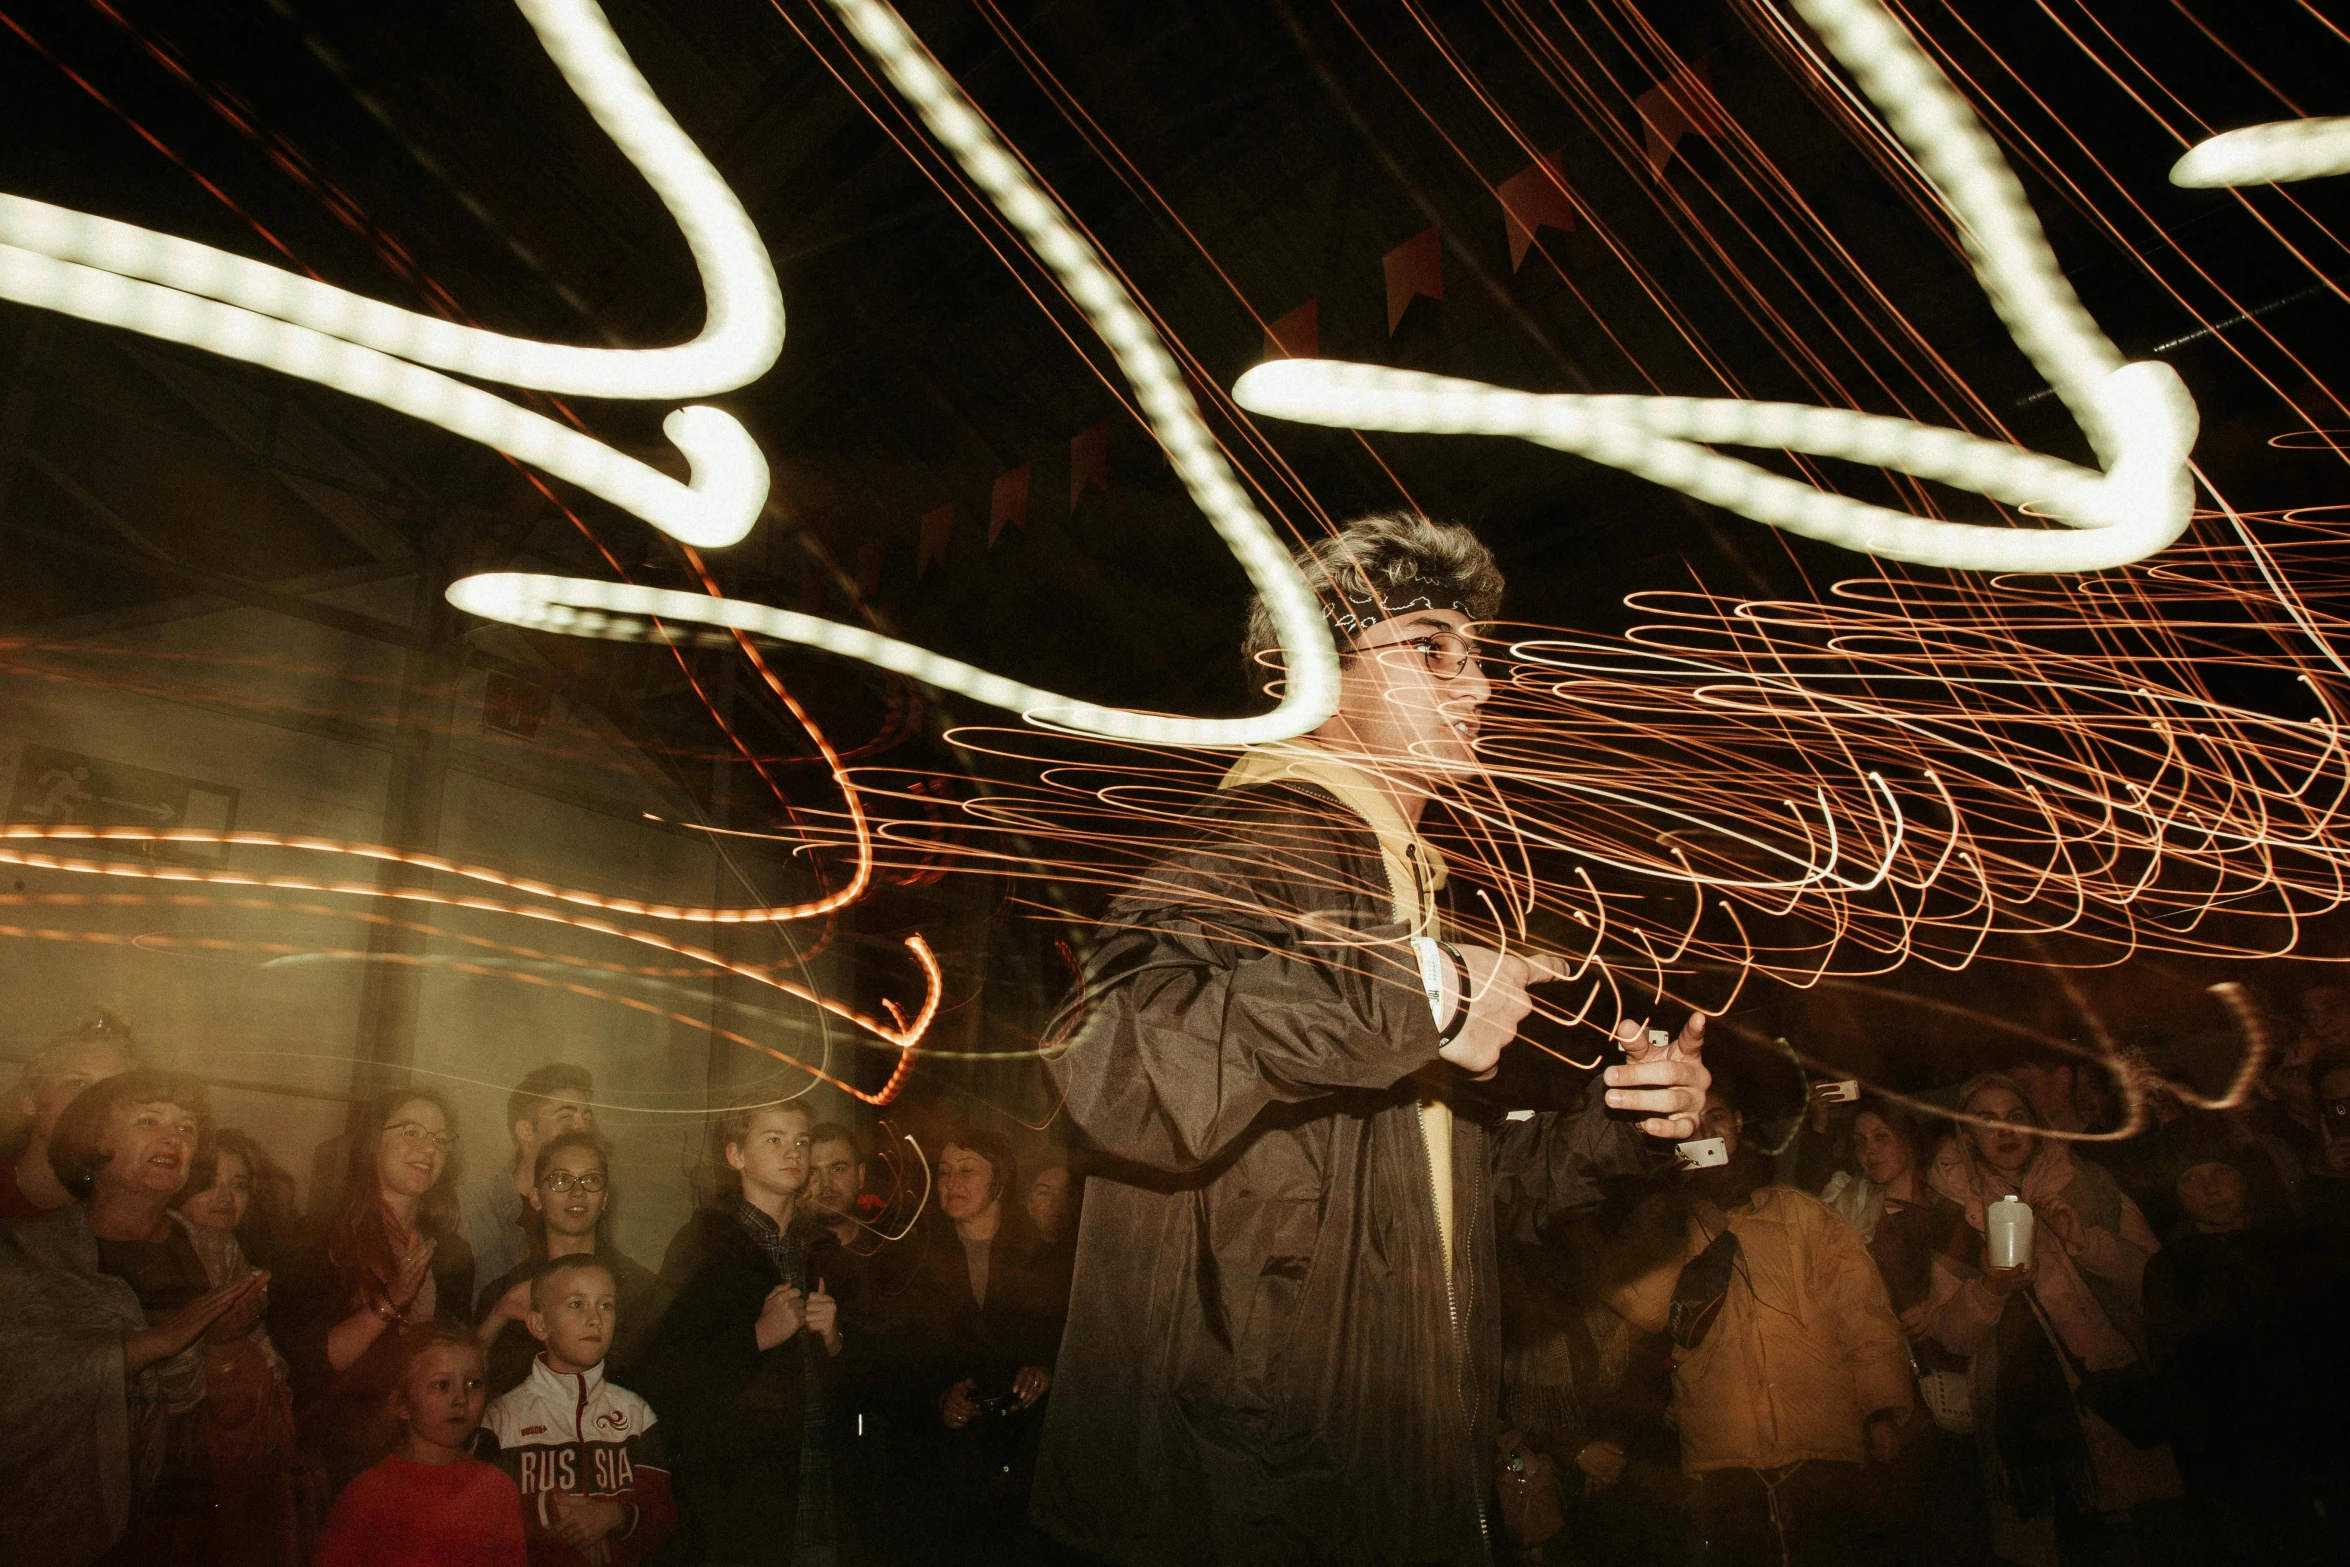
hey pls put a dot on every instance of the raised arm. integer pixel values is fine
(1558, 1162)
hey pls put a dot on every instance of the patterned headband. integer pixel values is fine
(1365, 610)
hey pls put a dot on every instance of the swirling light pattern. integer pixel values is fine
(2267, 155)
(2138, 417)
(900, 1032)
(2065, 770)
(586, 607)
(113, 273)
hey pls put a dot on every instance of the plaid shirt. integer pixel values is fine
(812, 1538)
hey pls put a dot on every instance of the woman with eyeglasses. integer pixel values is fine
(570, 1204)
(2064, 1482)
(391, 1257)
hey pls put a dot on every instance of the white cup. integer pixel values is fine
(2007, 1226)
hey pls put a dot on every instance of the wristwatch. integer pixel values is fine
(1460, 1013)
(1433, 956)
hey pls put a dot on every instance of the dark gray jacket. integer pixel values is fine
(1265, 1360)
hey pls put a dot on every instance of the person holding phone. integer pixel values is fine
(1282, 1343)
(978, 1324)
(1791, 1378)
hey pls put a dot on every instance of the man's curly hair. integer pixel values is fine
(1387, 558)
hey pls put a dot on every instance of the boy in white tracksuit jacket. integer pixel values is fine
(586, 1455)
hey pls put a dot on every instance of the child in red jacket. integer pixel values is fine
(430, 1504)
(586, 1455)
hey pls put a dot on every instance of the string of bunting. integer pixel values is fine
(1537, 197)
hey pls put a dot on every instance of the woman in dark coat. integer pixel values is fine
(391, 1257)
(977, 1328)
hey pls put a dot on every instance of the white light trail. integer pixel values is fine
(2139, 418)
(2267, 154)
(120, 275)
(592, 608)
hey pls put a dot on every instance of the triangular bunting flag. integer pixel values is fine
(937, 528)
(1008, 503)
(1534, 198)
(1089, 462)
(1297, 335)
(1414, 267)
(1673, 108)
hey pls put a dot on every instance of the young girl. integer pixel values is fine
(431, 1503)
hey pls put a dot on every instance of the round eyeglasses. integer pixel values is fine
(420, 1136)
(1447, 655)
(560, 1181)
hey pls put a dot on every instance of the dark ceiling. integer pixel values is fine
(1236, 157)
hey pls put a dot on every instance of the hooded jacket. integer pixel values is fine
(1805, 1349)
(576, 1432)
(1282, 1343)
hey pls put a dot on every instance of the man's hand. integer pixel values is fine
(513, 1306)
(783, 1314)
(1667, 1083)
(1497, 1002)
(823, 1317)
(1918, 1322)
(956, 1408)
(584, 1522)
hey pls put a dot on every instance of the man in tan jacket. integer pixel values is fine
(1790, 1372)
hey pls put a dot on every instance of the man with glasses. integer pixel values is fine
(570, 1199)
(549, 1103)
(1282, 1344)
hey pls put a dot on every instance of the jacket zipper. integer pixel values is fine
(579, 1436)
(1452, 1314)
(1421, 895)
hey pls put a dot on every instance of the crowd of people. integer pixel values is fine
(1803, 1354)
(1313, 1291)
(1817, 1353)
(425, 1370)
